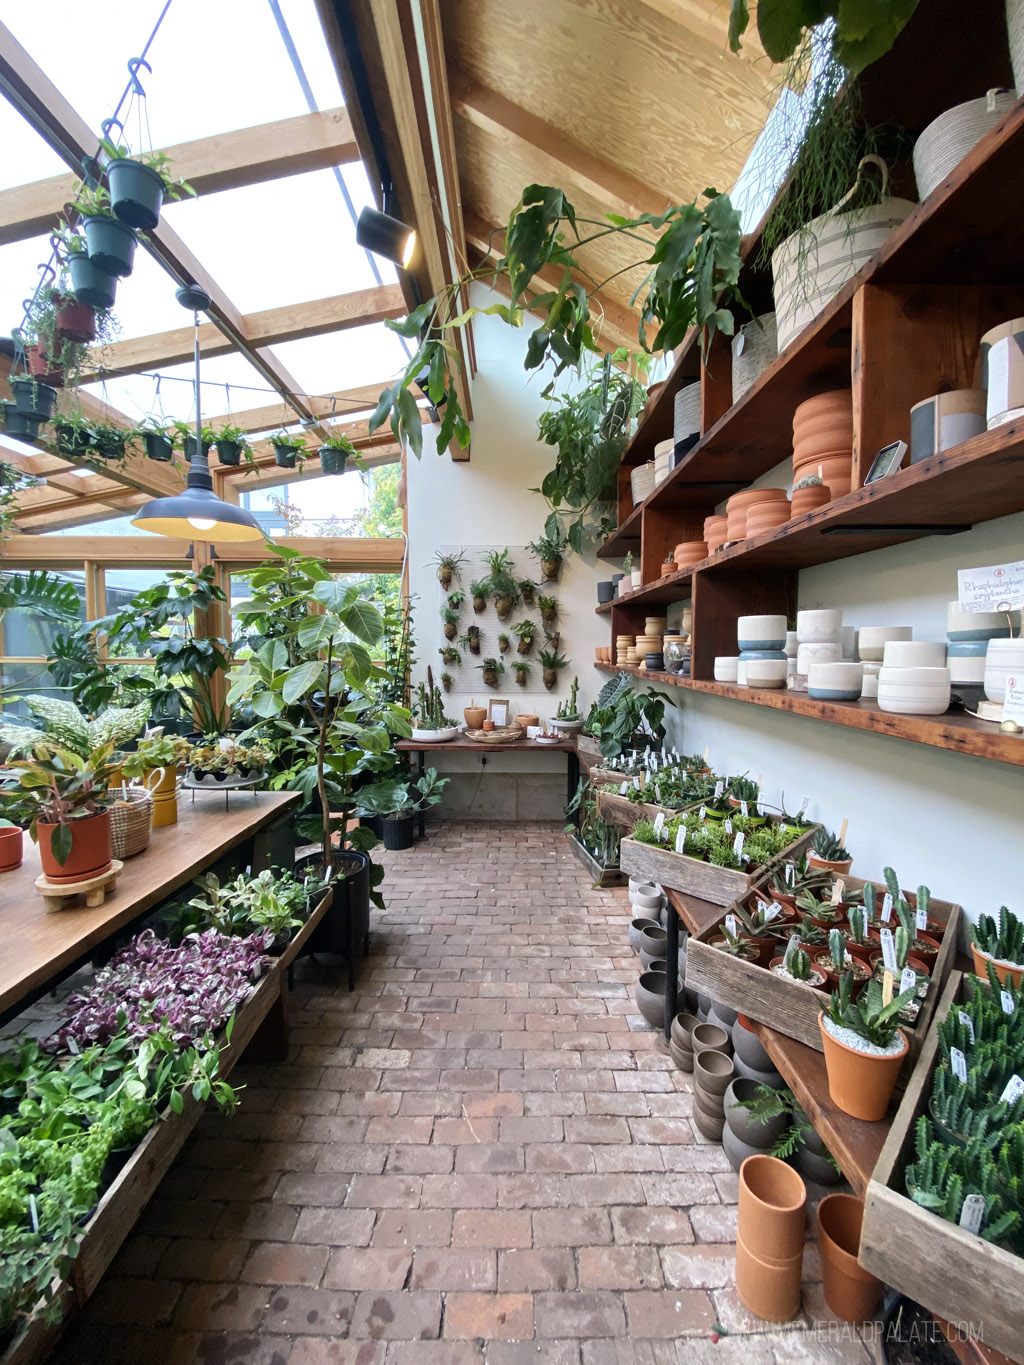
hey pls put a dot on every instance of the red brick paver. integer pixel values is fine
(481, 1154)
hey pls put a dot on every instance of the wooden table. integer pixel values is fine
(522, 746)
(38, 949)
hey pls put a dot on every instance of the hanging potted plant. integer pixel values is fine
(73, 434)
(447, 681)
(522, 672)
(32, 398)
(110, 243)
(471, 639)
(527, 587)
(448, 567)
(334, 454)
(456, 599)
(478, 591)
(232, 445)
(19, 425)
(185, 433)
(156, 442)
(551, 661)
(89, 284)
(504, 643)
(501, 584)
(548, 610)
(550, 549)
(492, 670)
(450, 656)
(451, 622)
(70, 808)
(140, 185)
(108, 441)
(864, 1047)
(288, 450)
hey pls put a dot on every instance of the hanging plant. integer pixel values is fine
(527, 587)
(471, 640)
(522, 672)
(185, 435)
(140, 185)
(478, 591)
(110, 243)
(504, 644)
(456, 599)
(233, 447)
(492, 669)
(446, 681)
(548, 610)
(501, 583)
(288, 450)
(448, 567)
(451, 622)
(861, 32)
(156, 441)
(526, 631)
(335, 453)
(551, 662)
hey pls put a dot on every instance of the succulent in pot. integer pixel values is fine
(448, 566)
(999, 944)
(838, 959)
(827, 851)
(68, 797)
(864, 1047)
(795, 965)
(567, 717)
(792, 878)
(821, 912)
(920, 903)
(735, 945)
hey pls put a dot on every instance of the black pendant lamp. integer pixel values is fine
(386, 236)
(198, 513)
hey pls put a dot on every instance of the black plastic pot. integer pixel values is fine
(285, 457)
(20, 424)
(136, 193)
(398, 831)
(190, 447)
(605, 591)
(72, 440)
(33, 398)
(346, 925)
(158, 446)
(111, 244)
(109, 445)
(228, 452)
(333, 461)
(373, 823)
(91, 286)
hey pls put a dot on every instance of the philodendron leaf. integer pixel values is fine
(300, 680)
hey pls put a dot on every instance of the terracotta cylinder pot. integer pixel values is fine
(835, 406)
(771, 1292)
(807, 499)
(766, 516)
(475, 716)
(859, 1083)
(715, 526)
(852, 1292)
(90, 849)
(749, 496)
(12, 846)
(772, 1210)
(1004, 973)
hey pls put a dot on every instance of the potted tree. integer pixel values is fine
(69, 800)
(550, 549)
(864, 1047)
(448, 566)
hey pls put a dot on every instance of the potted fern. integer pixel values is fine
(1001, 944)
(522, 671)
(551, 662)
(864, 1046)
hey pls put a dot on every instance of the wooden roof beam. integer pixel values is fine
(363, 398)
(226, 161)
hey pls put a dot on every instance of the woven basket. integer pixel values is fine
(503, 734)
(948, 139)
(641, 481)
(686, 413)
(1015, 25)
(754, 347)
(131, 823)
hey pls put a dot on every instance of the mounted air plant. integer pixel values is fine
(522, 672)
(550, 550)
(456, 599)
(504, 643)
(526, 632)
(527, 587)
(451, 622)
(548, 610)
(502, 584)
(448, 567)
(446, 681)
(492, 670)
(552, 639)
(551, 662)
(471, 639)
(450, 656)
(479, 591)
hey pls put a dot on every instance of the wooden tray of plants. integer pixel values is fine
(923, 1251)
(735, 969)
(693, 872)
(676, 789)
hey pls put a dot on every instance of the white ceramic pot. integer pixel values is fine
(919, 691)
(761, 632)
(790, 647)
(945, 420)
(741, 672)
(869, 690)
(966, 662)
(1005, 393)
(822, 625)
(835, 682)
(725, 667)
(871, 640)
(970, 626)
(636, 577)
(1004, 657)
(766, 672)
(914, 654)
(1015, 28)
(824, 653)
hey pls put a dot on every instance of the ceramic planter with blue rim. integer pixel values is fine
(758, 633)
(835, 681)
(967, 627)
(966, 662)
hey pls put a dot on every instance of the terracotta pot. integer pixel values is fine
(12, 846)
(74, 320)
(839, 869)
(918, 963)
(1004, 974)
(807, 499)
(770, 1291)
(772, 1209)
(669, 566)
(766, 516)
(851, 1292)
(824, 411)
(859, 1083)
(826, 445)
(475, 716)
(750, 496)
(736, 526)
(90, 849)
(821, 985)
(524, 721)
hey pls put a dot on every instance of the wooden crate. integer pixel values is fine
(793, 1010)
(600, 876)
(619, 810)
(677, 871)
(951, 1272)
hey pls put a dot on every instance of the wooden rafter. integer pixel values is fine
(226, 161)
(267, 328)
(506, 122)
(345, 401)
(344, 554)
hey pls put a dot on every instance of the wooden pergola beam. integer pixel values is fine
(351, 554)
(226, 161)
(362, 398)
(267, 328)
(375, 452)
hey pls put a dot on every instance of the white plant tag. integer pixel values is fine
(657, 792)
(728, 826)
(794, 943)
(743, 809)
(972, 1215)
(886, 908)
(760, 809)
(762, 906)
(790, 874)
(921, 918)
(703, 813)
(737, 843)
(623, 788)
(680, 838)
(773, 912)
(838, 887)
(958, 1062)
(908, 981)
(805, 802)
(659, 822)
(1013, 1091)
(1007, 999)
(636, 784)
(719, 788)
(888, 951)
(733, 925)
(967, 1022)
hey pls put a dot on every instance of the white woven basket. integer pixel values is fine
(641, 481)
(686, 409)
(948, 139)
(1015, 28)
(754, 347)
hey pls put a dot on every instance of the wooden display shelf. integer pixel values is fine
(625, 537)
(958, 733)
(661, 593)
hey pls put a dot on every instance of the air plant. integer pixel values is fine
(448, 567)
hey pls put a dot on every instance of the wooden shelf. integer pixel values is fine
(956, 732)
(662, 592)
(625, 537)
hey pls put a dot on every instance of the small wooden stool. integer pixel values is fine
(59, 895)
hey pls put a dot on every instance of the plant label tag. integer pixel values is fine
(703, 813)
(737, 843)
(636, 784)
(773, 912)
(743, 809)
(838, 887)
(719, 788)
(1007, 1000)
(728, 826)
(794, 943)
(790, 874)
(707, 750)
(908, 981)
(760, 809)
(657, 792)
(762, 906)
(887, 987)
(972, 1215)
(659, 822)
(887, 907)
(733, 925)
(921, 919)
(804, 803)
(623, 788)
(967, 1022)
(680, 838)
(958, 1062)
(1014, 1090)
(1013, 701)
(888, 951)
(32, 1212)
(997, 587)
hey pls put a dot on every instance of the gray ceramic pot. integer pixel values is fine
(653, 961)
(770, 1078)
(650, 997)
(704, 1002)
(682, 1026)
(636, 928)
(722, 1015)
(735, 1148)
(713, 1071)
(751, 1132)
(817, 1168)
(710, 1036)
(708, 1127)
(646, 896)
(653, 940)
(682, 1058)
(812, 1142)
(748, 1049)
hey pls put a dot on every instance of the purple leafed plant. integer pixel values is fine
(195, 987)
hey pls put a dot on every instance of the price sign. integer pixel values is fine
(1007, 1002)
(908, 981)
(958, 1062)
(838, 887)
(680, 838)
(1013, 1091)
(737, 843)
(886, 908)
(743, 809)
(972, 1215)
(967, 1022)
(888, 951)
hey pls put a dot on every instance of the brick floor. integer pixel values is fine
(481, 1153)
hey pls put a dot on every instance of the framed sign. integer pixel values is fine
(497, 710)
(888, 459)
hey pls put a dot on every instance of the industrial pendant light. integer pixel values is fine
(198, 513)
(386, 236)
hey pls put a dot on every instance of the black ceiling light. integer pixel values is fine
(198, 513)
(386, 236)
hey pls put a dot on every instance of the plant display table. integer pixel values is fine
(38, 949)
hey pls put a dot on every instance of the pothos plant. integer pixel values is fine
(861, 30)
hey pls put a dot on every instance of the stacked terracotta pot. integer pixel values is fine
(823, 440)
(765, 516)
(650, 642)
(716, 532)
(741, 505)
(770, 1238)
(689, 552)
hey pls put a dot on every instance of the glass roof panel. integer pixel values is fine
(26, 156)
(341, 360)
(229, 382)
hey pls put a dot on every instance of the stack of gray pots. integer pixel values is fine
(752, 1062)
(713, 1072)
(744, 1135)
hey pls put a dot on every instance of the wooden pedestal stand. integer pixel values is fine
(60, 895)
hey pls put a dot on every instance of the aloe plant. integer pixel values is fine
(867, 1016)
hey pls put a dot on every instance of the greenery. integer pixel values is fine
(501, 583)
(551, 662)
(620, 713)
(867, 1016)
(61, 723)
(403, 797)
(479, 590)
(550, 547)
(272, 901)
(526, 633)
(168, 751)
(769, 1104)
(429, 709)
(448, 566)
(600, 838)
(492, 670)
(826, 846)
(569, 709)
(522, 671)
(1002, 939)
(40, 329)
(159, 161)
(861, 30)
(61, 787)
